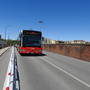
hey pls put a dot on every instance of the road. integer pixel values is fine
(51, 71)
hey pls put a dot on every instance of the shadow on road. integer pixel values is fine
(34, 55)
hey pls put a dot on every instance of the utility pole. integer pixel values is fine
(6, 30)
(40, 24)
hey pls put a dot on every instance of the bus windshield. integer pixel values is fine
(31, 41)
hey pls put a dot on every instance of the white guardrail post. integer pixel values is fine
(12, 77)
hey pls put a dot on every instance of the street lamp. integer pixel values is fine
(6, 29)
(40, 23)
(9, 35)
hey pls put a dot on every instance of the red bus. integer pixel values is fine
(30, 42)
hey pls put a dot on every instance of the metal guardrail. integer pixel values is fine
(12, 77)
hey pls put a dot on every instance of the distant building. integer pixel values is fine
(48, 41)
(58, 42)
(87, 42)
(76, 42)
(79, 41)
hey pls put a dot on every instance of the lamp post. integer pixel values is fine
(9, 35)
(6, 30)
(40, 23)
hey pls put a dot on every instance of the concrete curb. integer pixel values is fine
(4, 51)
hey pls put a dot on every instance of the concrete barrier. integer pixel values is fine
(12, 76)
(79, 51)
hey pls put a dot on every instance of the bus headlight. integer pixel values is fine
(22, 50)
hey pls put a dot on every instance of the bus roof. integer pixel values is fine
(29, 30)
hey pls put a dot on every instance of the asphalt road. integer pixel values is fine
(50, 71)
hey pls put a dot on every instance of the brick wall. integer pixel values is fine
(73, 50)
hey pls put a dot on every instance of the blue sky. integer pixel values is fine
(62, 19)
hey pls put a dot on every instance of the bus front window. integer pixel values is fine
(31, 41)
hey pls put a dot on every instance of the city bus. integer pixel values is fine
(30, 42)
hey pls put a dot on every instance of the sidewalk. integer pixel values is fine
(3, 50)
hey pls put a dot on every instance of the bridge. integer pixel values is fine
(49, 71)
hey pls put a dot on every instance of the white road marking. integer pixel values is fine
(66, 72)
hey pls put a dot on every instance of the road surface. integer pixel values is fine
(49, 71)
(52, 71)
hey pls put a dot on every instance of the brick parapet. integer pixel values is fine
(79, 51)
